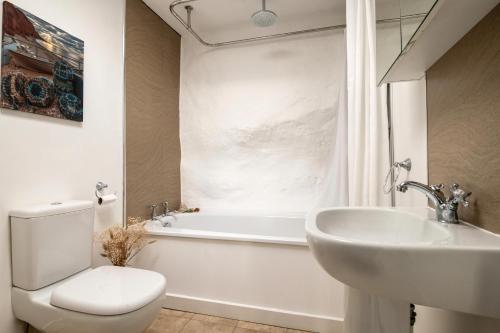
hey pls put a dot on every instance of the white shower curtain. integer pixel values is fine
(368, 152)
(368, 159)
(359, 157)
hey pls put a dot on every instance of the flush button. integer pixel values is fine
(56, 203)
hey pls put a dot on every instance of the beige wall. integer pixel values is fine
(463, 102)
(152, 71)
(463, 98)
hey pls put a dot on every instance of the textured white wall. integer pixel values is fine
(258, 121)
(409, 115)
(45, 159)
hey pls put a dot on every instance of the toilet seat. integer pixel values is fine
(109, 290)
(36, 308)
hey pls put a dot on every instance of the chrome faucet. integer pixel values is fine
(446, 208)
(154, 217)
(166, 211)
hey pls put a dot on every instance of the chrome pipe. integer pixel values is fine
(189, 27)
(189, 11)
(391, 140)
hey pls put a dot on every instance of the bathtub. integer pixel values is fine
(246, 267)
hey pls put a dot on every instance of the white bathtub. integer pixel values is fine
(272, 229)
(255, 268)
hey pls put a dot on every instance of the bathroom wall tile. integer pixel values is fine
(198, 326)
(244, 327)
(215, 320)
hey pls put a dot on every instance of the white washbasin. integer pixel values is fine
(404, 254)
(379, 226)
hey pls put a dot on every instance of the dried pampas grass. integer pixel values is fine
(121, 244)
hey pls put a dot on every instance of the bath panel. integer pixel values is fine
(247, 267)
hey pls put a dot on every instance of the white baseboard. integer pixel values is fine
(257, 314)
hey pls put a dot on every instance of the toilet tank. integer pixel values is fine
(50, 242)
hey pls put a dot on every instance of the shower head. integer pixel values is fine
(264, 17)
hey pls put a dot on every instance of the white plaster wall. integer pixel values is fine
(432, 320)
(409, 115)
(258, 121)
(44, 159)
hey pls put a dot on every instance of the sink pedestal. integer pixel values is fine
(365, 313)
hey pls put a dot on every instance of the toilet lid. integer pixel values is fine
(109, 290)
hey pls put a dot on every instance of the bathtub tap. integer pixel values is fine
(164, 219)
(165, 208)
(154, 217)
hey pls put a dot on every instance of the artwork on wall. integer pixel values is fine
(42, 66)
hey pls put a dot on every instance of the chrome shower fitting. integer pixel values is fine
(393, 175)
(264, 18)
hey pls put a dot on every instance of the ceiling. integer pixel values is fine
(221, 20)
(217, 20)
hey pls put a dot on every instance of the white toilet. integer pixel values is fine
(55, 290)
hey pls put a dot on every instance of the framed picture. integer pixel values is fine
(42, 67)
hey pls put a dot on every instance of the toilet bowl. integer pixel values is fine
(55, 291)
(129, 302)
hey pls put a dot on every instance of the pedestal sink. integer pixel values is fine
(406, 255)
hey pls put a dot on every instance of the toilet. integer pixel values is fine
(55, 289)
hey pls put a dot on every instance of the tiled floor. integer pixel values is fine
(172, 321)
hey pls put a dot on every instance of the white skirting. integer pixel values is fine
(263, 315)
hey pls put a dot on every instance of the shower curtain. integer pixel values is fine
(359, 157)
(368, 152)
(368, 159)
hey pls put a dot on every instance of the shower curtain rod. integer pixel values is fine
(188, 26)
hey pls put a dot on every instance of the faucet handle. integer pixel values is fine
(153, 211)
(165, 207)
(437, 187)
(458, 195)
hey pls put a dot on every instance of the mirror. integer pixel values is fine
(397, 23)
